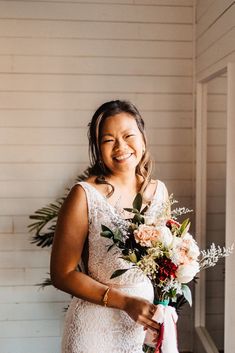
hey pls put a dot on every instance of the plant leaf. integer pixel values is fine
(187, 293)
(183, 226)
(138, 219)
(133, 210)
(117, 235)
(137, 203)
(105, 228)
(106, 234)
(118, 273)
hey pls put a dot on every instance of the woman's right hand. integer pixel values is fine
(141, 311)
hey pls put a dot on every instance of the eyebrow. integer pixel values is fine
(126, 131)
(108, 134)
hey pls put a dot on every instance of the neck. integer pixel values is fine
(126, 179)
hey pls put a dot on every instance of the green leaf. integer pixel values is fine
(105, 228)
(117, 235)
(133, 210)
(144, 209)
(106, 234)
(118, 273)
(138, 219)
(187, 293)
(184, 226)
(133, 257)
(137, 203)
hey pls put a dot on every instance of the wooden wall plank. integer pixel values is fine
(95, 30)
(92, 12)
(95, 48)
(98, 83)
(78, 136)
(212, 15)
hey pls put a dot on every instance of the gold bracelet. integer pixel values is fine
(105, 297)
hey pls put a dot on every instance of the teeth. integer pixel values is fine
(124, 156)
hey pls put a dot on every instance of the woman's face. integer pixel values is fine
(122, 143)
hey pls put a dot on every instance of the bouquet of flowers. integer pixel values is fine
(167, 253)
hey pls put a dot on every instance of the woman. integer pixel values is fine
(106, 315)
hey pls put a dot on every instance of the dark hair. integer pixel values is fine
(98, 168)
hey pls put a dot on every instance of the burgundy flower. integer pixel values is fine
(172, 223)
(167, 269)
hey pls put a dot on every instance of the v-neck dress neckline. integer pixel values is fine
(116, 209)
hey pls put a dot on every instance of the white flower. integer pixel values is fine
(193, 249)
(185, 273)
(165, 237)
(149, 220)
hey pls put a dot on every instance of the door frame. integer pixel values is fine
(203, 342)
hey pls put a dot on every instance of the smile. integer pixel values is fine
(123, 156)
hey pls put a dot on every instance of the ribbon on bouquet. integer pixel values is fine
(167, 317)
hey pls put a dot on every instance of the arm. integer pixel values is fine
(70, 235)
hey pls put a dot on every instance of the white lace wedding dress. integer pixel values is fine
(91, 328)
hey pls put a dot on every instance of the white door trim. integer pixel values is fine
(203, 342)
(230, 214)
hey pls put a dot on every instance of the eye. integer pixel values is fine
(107, 140)
(130, 135)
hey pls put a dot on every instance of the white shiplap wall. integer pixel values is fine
(58, 61)
(215, 47)
(215, 36)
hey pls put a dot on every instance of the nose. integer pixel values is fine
(119, 145)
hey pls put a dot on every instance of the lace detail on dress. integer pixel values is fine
(91, 328)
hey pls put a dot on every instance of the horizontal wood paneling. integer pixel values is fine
(95, 48)
(31, 294)
(215, 36)
(80, 118)
(24, 259)
(95, 30)
(28, 311)
(40, 328)
(48, 100)
(25, 344)
(75, 154)
(216, 9)
(78, 136)
(96, 83)
(87, 12)
(59, 60)
(92, 66)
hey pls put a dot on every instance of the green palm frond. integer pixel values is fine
(45, 283)
(45, 218)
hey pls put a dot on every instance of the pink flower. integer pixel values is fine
(145, 235)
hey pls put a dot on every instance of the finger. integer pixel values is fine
(152, 309)
(151, 324)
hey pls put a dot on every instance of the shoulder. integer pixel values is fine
(76, 198)
(154, 187)
(101, 187)
(150, 189)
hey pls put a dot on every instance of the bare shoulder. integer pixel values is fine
(151, 189)
(76, 199)
(102, 188)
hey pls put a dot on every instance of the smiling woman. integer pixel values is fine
(120, 125)
(122, 307)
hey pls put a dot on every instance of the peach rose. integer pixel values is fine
(145, 235)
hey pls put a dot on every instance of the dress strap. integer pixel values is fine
(90, 199)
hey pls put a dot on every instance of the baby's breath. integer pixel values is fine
(148, 265)
(211, 256)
